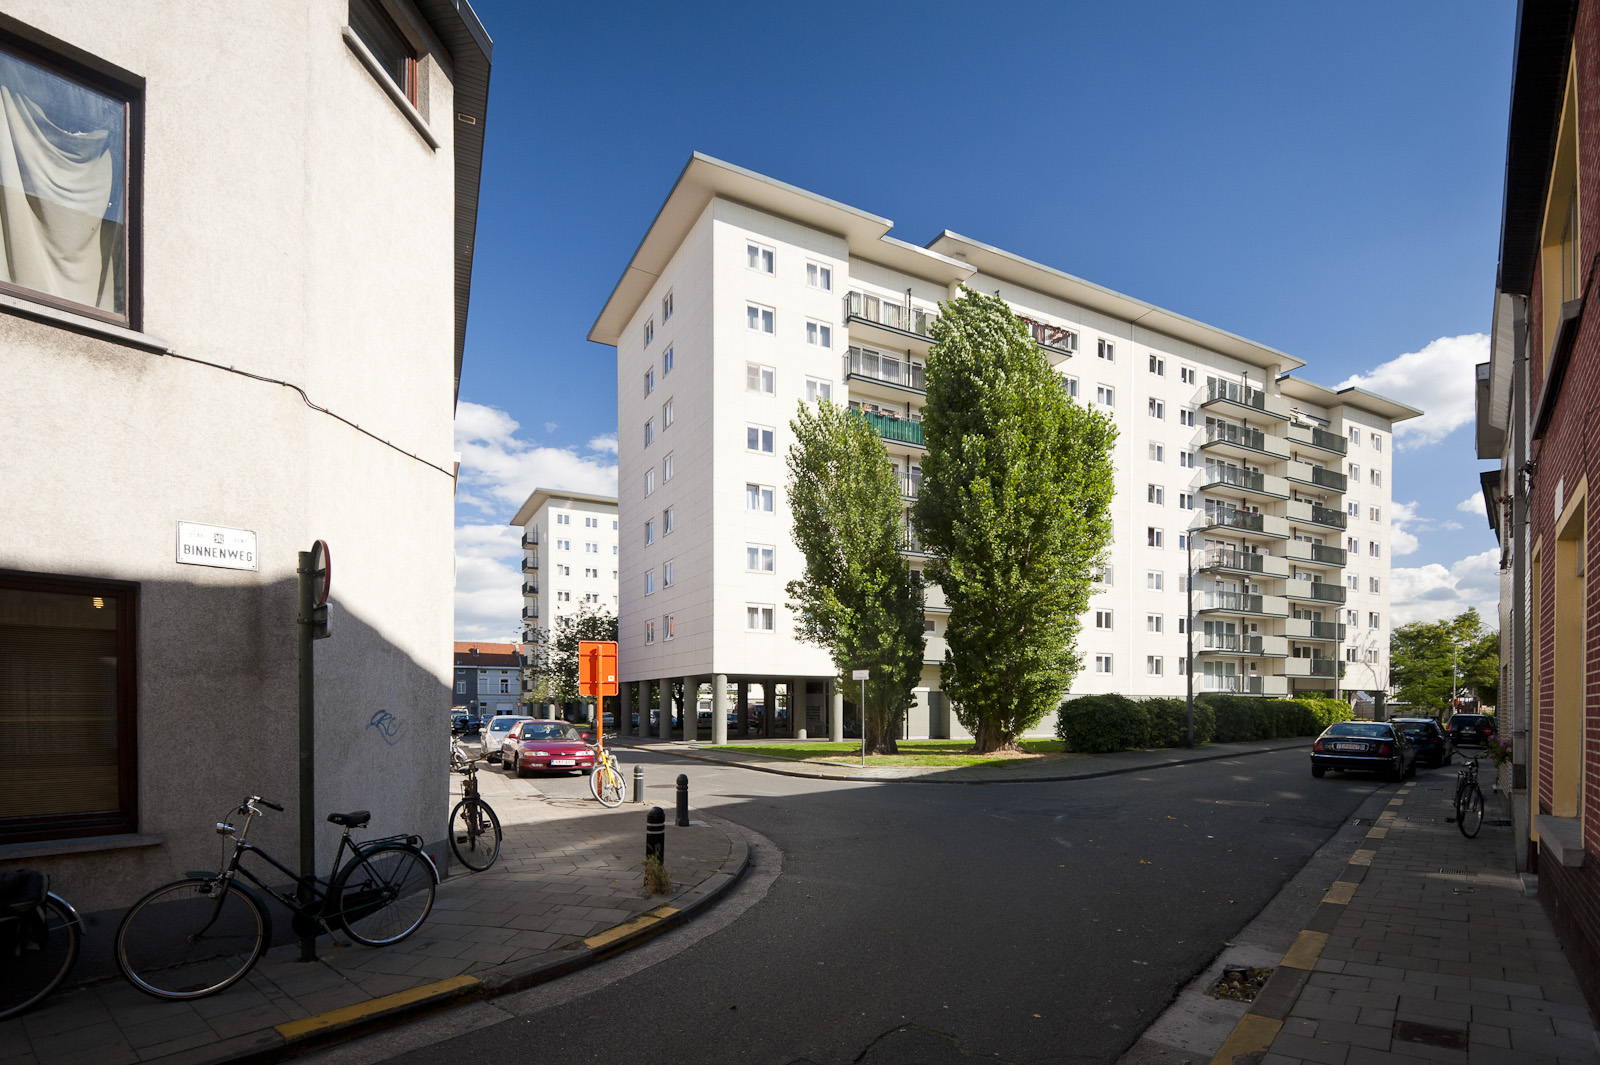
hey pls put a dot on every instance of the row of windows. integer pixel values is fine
(1353, 619)
(650, 323)
(650, 374)
(764, 380)
(589, 548)
(1353, 545)
(759, 617)
(1375, 438)
(759, 558)
(588, 523)
(763, 259)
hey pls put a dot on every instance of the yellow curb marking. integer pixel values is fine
(1397, 802)
(1362, 857)
(664, 911)
(616, 932)
(293, 1031)
(1340, 893)
(1306, 950)
(1377, 833)
(1253, 1033)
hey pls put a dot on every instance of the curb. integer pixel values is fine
(323, 1030)
(1254, 1033)
(697, 754)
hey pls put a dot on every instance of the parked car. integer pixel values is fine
(458, 723)
(545, 744)
(1364, 747)
(496, 731)
(1471, 730)
(1432, 744)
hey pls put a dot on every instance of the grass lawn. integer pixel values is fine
(953, 753)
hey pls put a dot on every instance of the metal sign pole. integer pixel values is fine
(861, 711)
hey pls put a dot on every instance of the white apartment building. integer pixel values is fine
(569, 556)
(748, 296)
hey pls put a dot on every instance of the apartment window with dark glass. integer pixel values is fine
(67, 197)
(388, 45)
(66, 668)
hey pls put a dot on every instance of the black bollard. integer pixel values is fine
(655, 834)
(683, 800)
(638, 783)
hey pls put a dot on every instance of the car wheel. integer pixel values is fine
(1318, 771)
(521, 772)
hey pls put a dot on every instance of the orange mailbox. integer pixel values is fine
(597, 667)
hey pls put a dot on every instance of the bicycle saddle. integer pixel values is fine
(354, 819)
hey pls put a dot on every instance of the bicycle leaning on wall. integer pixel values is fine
(474, 828)
(1469, 799)
(39, 935)
(198, 935)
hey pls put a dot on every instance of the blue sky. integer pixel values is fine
(1325, 179)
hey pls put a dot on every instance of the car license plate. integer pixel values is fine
(563, 761)
(1350, 746)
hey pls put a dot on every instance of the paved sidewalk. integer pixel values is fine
(1426, 948)
(566, 892)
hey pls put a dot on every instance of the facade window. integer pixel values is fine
(649, 481)
(1373, 549)
(1158, 410)
(650, 631)
(1107, 351)
(759, 498)
(758, 558)
(1154, 493)
(759, 378)
(591, 573)
(1186, 374)
(1152, 623)
(461, 687)
(1102, 574)
(591, 548)
(1152, 665)
(666, 362)
(761, 319)
(650, 381)
(818, 390)
(563, 545)
(1152, 537)
(819, 334)
(666, 307)
(1349, 654)
(1071, 385)
(1377, 442)
(1183, 538)
(1372, 656)
(1352, 617)
(1102, 663)
(1158, 453)
(1352, 581)
(667, 466)
(1185, 501)
(1186, 459)
(758, 438)
(563, 519)
(1355, 472)
(758, 618)
(1102, 619)
(1182, 628)
(385, 43)
(1355, 435)
(666, 414)
(649, 432)
(1158, 366)
(1375, 478)
(563, 597)
(650, 532)
(1186, 417)
(760, 257)
(1353, 509)
(667, 521)
(649, 331)
(1374, 514)
(1372, 620)
(1153, 580)
(1352, 544)
(1105, 395)
(1373, 585)
(591, 523)
(666, 575)
(1183, 663)
(668, 628)
(819, 276)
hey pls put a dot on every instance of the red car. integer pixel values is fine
(539, 743)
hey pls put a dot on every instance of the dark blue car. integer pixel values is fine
(1433, 746)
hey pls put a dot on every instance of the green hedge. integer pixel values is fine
(1099, 724)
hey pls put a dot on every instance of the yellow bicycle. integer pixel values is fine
(605, 781)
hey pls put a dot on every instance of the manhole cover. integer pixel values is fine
(1430, 1035)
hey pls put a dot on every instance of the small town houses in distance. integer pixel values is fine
(489, 678)
(748, 296)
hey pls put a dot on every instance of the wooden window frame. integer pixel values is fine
(409, 58)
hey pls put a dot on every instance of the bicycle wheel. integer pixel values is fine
(474, 834)
(1469, 815)
(191, 938)
(595, 774)
(383, 894)
(33, 969)
(606, 783)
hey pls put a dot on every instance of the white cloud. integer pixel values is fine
(488, 582)
(1474, 504)
(1404, 524)
(550, 427)
(1438, 380)
(604, 443)
(1434, 592)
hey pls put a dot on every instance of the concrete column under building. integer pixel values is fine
(624, 707)
(744, 709)
(719, 708)
(835, 711)
(664, 708)
(691, 709)
(797, 707)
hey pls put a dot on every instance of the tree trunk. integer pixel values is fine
(991, 737)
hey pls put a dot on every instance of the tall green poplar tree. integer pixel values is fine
(1015, 513)
(858, 598)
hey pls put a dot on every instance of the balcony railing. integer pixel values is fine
(1325, 553)
(1320, 476)
(1242, 435)
(901, 430)
(910, 486)
(1055, 337)
(884, 366)
(530, 611)
(1233, 683)
(1319, 590)
(1237, 602)
(1324, 667)
(1228, 558)
(1320, 437)
(1232, 643)
(1305, 510)
(530, 589)
(530, 563)
(1234, 392)
(530, 538)
(885, 312)
(1327, 630)
(1235, 519)
(1231, 475)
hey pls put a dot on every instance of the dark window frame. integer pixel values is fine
(125, 819)
(385, 24)
(131, 93)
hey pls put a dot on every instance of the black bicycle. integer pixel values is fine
(201, 934)
(39, 937)
(474, 828)
(1469, 799)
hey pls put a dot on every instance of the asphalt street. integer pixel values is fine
(932, 923)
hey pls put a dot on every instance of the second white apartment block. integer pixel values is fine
(748, 297)
(569, 557)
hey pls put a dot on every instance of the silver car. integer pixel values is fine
(496, 731)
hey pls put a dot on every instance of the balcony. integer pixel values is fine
(899, 316)
(1054, 339)
(1303, 510)
(530, 538)
(1229, 559)
(1234, 684)
(1241, 439)
(1216, 477)
(1247, 399)
(1316, 591)
(910, 486)
(1242, 603)
(1245, 521)
(1306, 629)
(1305, 473)
(1316, 554)
(530, 611)
(531, 588)
(885, 368)
(530, 563)
(1311, 667)
(933, 600)
(900, 430)
(933, 650)
(1318, 437)
(1239, 643)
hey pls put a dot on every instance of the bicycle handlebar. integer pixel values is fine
(264, 802)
